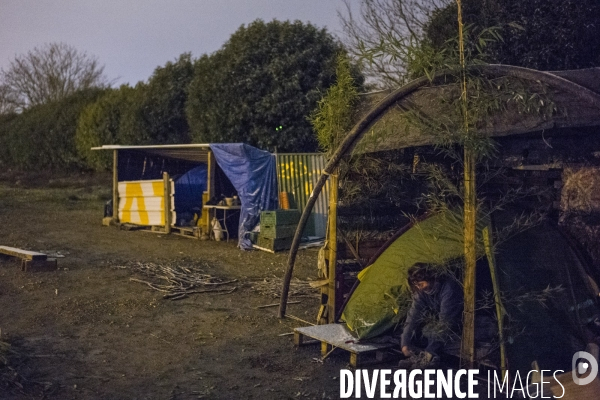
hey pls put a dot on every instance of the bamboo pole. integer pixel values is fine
(115, 191)
(331, 296)
(469, 223)
(487, 242)
(167, 201)
(469, 229)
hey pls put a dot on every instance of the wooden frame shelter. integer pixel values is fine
(193, 153)
(577, 92)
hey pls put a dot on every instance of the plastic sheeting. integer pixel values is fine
(253, 174)
(188, 193)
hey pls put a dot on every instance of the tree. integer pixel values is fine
(262, 85)
(547, 35)
(157, 113)
(50, 73)
(100, 124)
(7, 101)
(387, 35)
(43, 136)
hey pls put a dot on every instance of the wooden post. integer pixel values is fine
(115, 193)
(332, 259)
(167, 201)
(469, 229)
(210, 193)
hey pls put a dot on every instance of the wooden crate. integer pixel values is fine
(279, 217)
(274, 244)
(278, 231)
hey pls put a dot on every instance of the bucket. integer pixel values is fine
(284, 201)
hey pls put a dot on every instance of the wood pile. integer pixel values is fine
(178, 282)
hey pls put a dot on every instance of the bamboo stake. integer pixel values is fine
(469, 223)
(487, 242)
(331, 295)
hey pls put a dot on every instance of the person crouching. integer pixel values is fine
(434, 319)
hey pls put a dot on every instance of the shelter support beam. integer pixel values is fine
(167, 201)
(489, 252)
(115, 188)
(332, 242)
(209, 213)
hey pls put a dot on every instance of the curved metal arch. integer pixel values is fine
(382, 107)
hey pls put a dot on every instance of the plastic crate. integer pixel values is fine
(279, 217)
(274, 244)
(278, 231)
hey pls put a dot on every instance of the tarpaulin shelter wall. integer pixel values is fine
(253, 174)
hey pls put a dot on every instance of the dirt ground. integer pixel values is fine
(86, 331)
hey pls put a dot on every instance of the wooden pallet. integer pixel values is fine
(188, 232)
(30, 260)
(339, 336)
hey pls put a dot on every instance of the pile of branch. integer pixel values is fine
(271, 287)
(178, 282)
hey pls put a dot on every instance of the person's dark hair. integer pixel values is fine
(421, 272)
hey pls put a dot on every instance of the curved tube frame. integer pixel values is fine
(361, 127)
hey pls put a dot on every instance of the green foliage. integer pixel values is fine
(42, 137)
(100, 124)
(157, 114)
(335, 113)
(261, 86)
(149, 113)
(538, 34)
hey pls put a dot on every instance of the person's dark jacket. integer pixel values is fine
(444, 301)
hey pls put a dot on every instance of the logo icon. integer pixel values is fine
(580, 367)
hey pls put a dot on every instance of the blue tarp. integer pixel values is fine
(253, 174)
(188, 193)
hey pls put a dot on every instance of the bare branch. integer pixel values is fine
(49, 73)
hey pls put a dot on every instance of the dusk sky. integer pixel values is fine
(132, 37)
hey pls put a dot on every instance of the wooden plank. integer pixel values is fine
(23, 254)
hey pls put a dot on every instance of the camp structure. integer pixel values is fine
(210, 190)
(554, 153)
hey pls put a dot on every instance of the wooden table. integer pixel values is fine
(224, 219)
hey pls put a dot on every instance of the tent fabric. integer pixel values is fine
(253, 174)
(382, 297)
(550, 331)
(189, 188)
(538, 260)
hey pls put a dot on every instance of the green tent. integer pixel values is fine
(532, 261)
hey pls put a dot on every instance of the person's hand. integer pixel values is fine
(406, 351)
